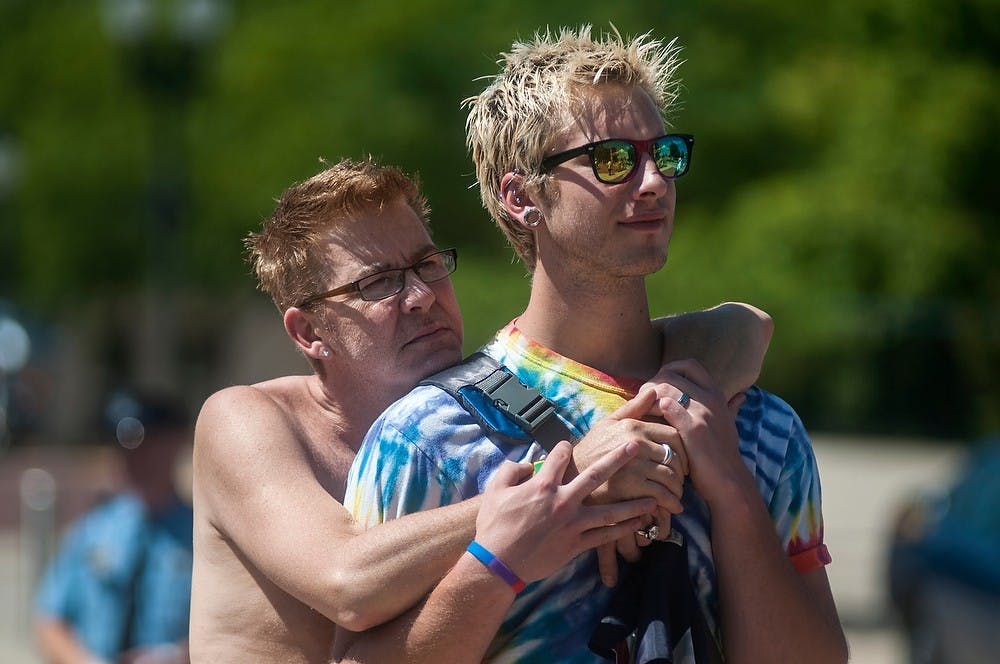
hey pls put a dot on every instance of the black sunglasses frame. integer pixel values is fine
(640, 147)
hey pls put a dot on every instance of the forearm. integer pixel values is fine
(788, 621)
(59, 645)
(408, 555)
(456, 624)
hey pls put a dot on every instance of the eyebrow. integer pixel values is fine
(382, 266)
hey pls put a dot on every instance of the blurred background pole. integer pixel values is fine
(164, 46)
(15, 349)
(10, 163)
(38, 492)
(12, 335)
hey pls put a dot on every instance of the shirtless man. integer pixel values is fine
(278, 560)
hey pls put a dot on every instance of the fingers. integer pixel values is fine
(663, 520)
(666, 498)
(654, 450)
(509, 474)
(636, 407)
(627, 546)
(737, 402)
(685, 376)
(597, 474)
(690, 369)
(607, 564)
(556, 463)
(617, 532)
(595, 516)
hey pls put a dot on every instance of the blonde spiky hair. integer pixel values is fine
(521, 113)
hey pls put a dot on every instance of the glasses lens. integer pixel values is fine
(613, 160)
(436, 266)
(672, 156)
(381, 285)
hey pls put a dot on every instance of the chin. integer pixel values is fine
(430, 364)
(653, 260)
(441, 360)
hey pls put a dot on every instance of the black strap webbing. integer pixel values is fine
(523, 405)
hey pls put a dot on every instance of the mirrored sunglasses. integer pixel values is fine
(616, 160)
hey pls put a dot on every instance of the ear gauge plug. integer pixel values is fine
(532, 217)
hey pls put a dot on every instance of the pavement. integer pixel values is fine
(864, 481)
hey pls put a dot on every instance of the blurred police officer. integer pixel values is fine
(119, 588)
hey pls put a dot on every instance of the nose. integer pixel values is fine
(417, 295)
(652, 184)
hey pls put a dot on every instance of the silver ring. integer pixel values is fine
(651, 533)
(684, 399)
(668, 454)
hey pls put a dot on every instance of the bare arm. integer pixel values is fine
(729, 340)
(753, 570)
(536, 528)
(455, 624)
(255, 484)
(59, 645)
(794, 617)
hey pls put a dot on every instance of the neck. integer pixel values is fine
(346, 408)
(605, 327)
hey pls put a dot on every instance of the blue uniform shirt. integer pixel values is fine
(115, 556)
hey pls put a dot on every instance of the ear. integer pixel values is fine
(300, 325)
(515, 198)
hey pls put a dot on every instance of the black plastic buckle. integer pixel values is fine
(524, 404)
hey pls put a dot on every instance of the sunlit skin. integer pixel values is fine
(605, 233)
(598, 241)
(271, 460)
(390, 344)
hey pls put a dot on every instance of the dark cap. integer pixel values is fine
(130, 415)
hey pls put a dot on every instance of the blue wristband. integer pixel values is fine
(496, 566)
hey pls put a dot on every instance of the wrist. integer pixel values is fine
(496, 566)
(731, 492)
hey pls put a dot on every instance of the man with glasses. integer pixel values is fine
(575, 166)
(365, 296)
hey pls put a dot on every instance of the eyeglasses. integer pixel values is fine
(616, 160)
(387, 283)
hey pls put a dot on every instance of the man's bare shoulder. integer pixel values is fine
(244, 431)
(730, 340)
(232, 413)
(755, 322)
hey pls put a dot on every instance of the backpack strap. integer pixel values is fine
(481, 385)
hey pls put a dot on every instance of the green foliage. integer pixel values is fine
(842, 174)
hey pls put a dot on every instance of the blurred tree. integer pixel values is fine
(842, 172)
(840, 185)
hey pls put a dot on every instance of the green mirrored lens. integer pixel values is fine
(671, 156)
(613, 160)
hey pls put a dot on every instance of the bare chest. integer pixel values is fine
(331, 464)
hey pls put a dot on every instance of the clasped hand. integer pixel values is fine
(701, 433)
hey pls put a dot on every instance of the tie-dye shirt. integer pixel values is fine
(426, 451)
